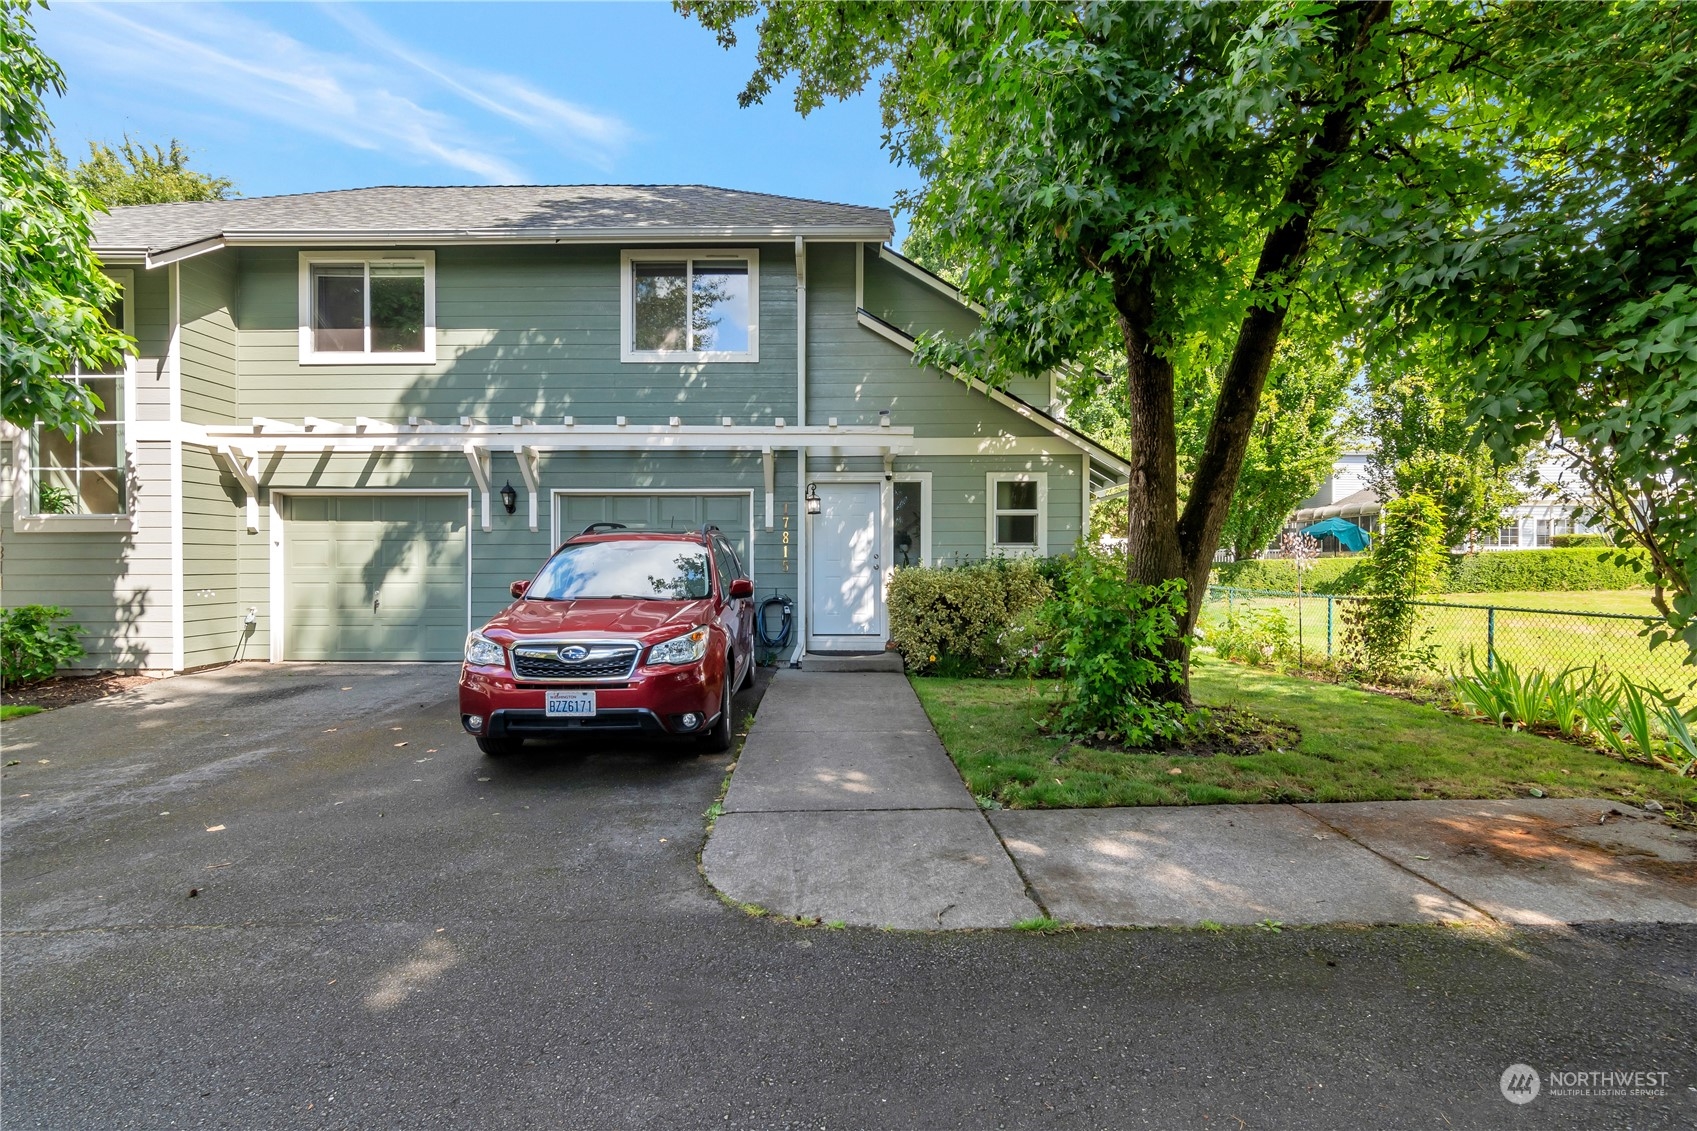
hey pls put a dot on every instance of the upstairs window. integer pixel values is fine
(690, 306)
(368, 308)
(87, 473)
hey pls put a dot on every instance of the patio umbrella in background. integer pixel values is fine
(1350, 536)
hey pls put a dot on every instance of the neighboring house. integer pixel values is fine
(1545, 510)
(332, 393)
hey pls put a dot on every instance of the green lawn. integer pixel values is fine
(18, 712)
(1355, 746)
(1539, 639)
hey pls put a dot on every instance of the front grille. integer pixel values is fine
(601, 662)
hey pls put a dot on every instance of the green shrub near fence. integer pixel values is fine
(960, 620)
(1533, 570)
(1580, 541)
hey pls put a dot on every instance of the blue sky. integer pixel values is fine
(298, 97)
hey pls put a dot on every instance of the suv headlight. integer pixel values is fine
(484, 652)
(685, 649)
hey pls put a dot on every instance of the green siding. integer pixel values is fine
(153, 336)
(212, 628)
(852, 372)
(117, 585)
(522, 331)
(209, 338)
(919, 308)
(961, 509)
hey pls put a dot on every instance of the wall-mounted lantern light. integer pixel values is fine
(509, 497)
(812, 499)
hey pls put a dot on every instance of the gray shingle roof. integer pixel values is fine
(514, 211)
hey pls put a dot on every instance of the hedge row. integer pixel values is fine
(1324, 575)
(1533, 570)
(1498, 571)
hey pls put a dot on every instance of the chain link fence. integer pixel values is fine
(1551, 639)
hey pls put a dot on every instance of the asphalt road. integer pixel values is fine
(400, 936)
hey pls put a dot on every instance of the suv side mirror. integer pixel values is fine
(517, 588)
(742, 587)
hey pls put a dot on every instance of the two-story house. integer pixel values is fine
(354, 417)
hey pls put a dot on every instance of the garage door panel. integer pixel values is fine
(375, 577)
(660, 512)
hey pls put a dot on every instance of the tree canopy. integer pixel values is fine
(1162, 179)
(135, 173)
(53, 295)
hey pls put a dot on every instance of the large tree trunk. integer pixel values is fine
(1162, 542)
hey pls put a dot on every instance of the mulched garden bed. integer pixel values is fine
(1228, 730)
(66, 690)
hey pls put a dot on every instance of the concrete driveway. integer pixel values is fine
(412, 935)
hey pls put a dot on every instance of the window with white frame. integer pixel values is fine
(690, 306)
(86, 473)
(1018, 506)
(367, 307)
(910, 519)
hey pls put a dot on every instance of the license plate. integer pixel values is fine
(571, 704)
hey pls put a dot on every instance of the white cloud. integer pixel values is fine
(229, 60)
(593, 137)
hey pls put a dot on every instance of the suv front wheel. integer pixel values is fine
(718, 740)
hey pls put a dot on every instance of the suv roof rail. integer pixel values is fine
(707, 528)
(597, 527)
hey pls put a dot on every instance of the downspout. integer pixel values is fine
(804, 543)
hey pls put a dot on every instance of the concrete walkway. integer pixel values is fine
(844, 806)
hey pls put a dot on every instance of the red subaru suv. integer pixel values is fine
(621, 630)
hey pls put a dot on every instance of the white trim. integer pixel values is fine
(311, 356)
(802, 545)
(915, 271)
(884, 569)
(1101, 454)
(991, 446)
(627, 313)
(174, 366)
(923, 478)
(993, 548)
(414, 237)
(277, 596)
(71, 523)
(860, 276)
(375, 435)
(554, 495)
(1084, 504)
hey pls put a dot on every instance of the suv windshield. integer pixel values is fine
(644, 571)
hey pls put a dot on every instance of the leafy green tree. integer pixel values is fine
(1418, 417)
(134, 173)
(1568, 296)
(1140, 176)
(53, 294)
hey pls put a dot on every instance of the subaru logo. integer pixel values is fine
(575, 654)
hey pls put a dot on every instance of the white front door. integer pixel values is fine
(844, 567)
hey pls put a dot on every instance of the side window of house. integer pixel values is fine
(690, 306)
(358, 308)
(85, 473)
(909, 523)
(1016, 517)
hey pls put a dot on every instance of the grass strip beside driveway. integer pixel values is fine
(1355, 746)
